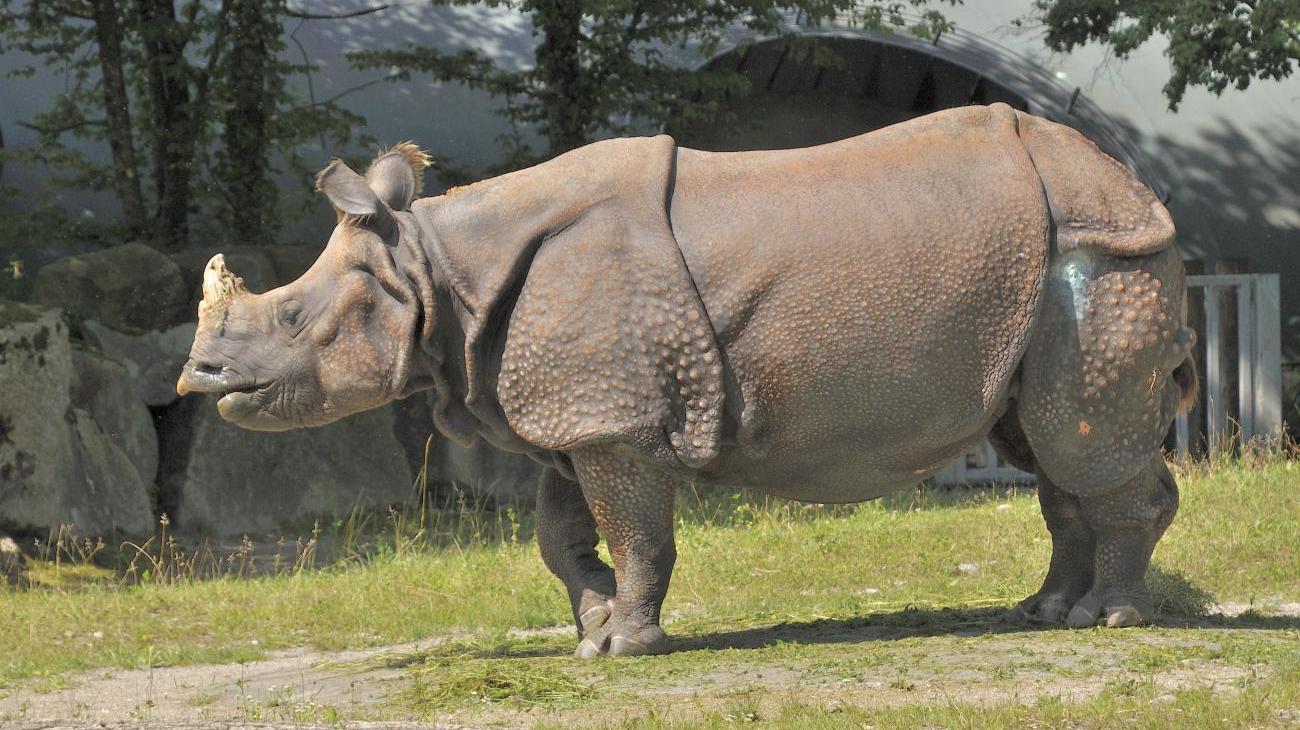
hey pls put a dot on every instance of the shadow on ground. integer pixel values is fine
(1181, 603)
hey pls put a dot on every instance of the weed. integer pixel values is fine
(455, 682)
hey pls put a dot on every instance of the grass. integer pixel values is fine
(902, 593)
(1271, 702)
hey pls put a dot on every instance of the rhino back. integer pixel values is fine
(872, 297)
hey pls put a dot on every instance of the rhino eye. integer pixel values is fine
(290, 315)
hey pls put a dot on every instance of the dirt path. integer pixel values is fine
(304, 689)
(296, 687)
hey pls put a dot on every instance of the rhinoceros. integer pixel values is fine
(826, 324)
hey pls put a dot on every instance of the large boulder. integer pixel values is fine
(489, 474)
(227, 481)
(12, 561)
(483, 473)
(35, 441)
(251, 264)
(153, 360)
(57, 466)
(291, 262)
(109, 495)
(102, 387)
(261, 267)
(131, 287)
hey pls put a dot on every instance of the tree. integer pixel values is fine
(180, 91)
(600, 66)
(1212, 43)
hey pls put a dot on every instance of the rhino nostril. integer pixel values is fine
(210, 370)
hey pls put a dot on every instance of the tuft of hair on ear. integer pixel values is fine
(417, 158)
(397, 175)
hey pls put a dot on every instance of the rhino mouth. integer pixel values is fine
(240, 399)
(241, 404)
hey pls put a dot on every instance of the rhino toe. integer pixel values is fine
(1116, 610)
(1041, 608)
(619, 639)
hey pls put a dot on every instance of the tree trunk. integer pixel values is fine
(246, 136)
(559, 69)
(117, 115)
(168, 73)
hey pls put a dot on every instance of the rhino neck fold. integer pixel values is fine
(439, 362)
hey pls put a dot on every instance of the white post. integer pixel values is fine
(1267, 375)
(1182, 438)
(1245, 293)
(1214, 408)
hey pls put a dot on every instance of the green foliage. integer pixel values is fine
(191, 99)
(602, 67)
(1212, 43)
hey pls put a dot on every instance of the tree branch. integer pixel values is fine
(350, 90)
(305, 15)
(57, 129)
(78, 12)
(306, 71)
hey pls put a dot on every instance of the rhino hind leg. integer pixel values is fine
(1072, 569)
(632, 503)
(566, 538)
(1098, 394)
(1127, 524)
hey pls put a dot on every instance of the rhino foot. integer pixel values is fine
(620, 638)
(1041, 608)
(1114, 610)
(594, 617)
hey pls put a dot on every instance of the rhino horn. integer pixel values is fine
(220, 286)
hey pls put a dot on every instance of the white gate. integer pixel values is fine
(1258, 355)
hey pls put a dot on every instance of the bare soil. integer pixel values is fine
(306, 689)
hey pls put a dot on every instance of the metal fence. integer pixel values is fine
(1237, 323)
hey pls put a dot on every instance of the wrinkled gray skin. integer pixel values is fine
(826, 324)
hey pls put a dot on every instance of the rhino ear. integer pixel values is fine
(354, 200)
(348, 191)
(397, 175)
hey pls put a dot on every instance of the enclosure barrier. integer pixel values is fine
(1255, 357)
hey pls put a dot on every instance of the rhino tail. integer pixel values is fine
(1186, 380)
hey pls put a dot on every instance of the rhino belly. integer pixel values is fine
(872, 297)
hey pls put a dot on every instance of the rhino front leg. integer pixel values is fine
(1070, 574)
(566, 537)
(632, 503)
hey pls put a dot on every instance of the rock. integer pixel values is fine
(131, 287)
(12, 561)
(485, 472)
(227, 481)
(261, 267)
(153, 360)
(35, 441)
(56, 465)
(110, 495)
(101, 387)
(291, 262)
(482, 472)
(248, 262)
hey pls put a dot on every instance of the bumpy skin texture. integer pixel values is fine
(846, 279)
(582, 323)
(827, 324)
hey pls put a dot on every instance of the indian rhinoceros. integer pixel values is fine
(826, 324)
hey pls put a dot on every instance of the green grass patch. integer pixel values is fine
(912, 567)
